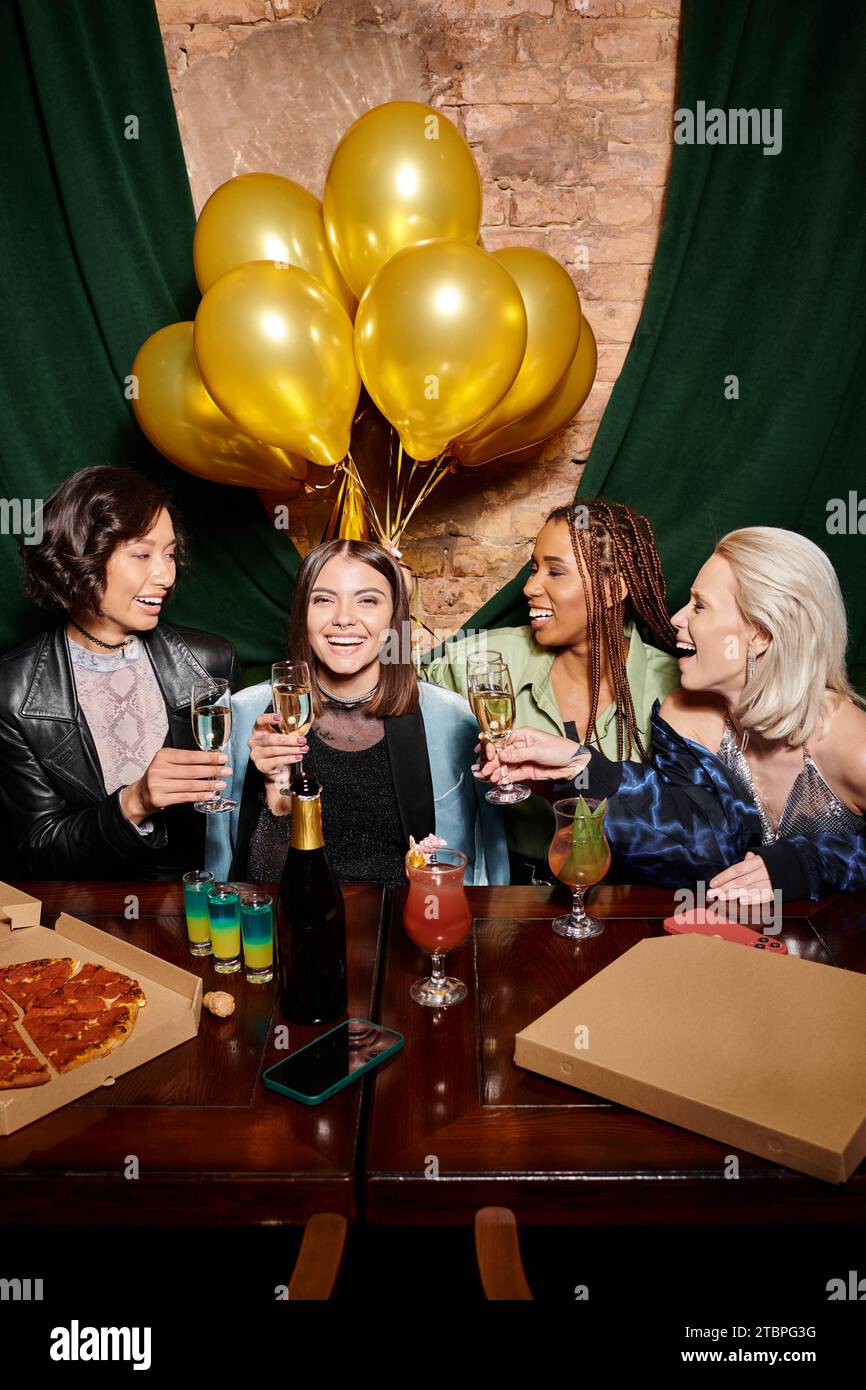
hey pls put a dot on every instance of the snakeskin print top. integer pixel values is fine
(812, 807)
(124, 707)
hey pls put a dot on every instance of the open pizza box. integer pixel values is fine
(765, 1053)
(18, 909)
(170, 1016)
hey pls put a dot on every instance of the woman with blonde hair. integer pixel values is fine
(759, 758)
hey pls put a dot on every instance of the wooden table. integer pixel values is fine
(214, 1146)
(455, 1104)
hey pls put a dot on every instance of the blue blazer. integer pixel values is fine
(431, 752)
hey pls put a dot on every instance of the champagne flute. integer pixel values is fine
(493, 704)
(579, 855)
(293, 701)
(477, 661)
(211, 706)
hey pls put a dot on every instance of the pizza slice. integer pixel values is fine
(70, 1040)
(28, 978)
(94, 986)
(18, 1065)
(72, 1015)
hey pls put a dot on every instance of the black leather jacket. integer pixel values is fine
(59, 821)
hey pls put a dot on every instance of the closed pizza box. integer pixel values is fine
(765, 1053)
(170, 1016)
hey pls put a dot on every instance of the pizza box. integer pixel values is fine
(170, 1016)
(18, 909)
(765, 1053)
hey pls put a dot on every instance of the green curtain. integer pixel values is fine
(760, 273)
(96, 254)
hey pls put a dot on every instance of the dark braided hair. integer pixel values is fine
(611, 542)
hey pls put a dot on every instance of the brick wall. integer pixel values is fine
(567, 105)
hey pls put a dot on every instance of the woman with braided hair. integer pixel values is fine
(580, 668)
(757, 785)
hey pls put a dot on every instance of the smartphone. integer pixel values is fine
(713, 923)
(333, 1061)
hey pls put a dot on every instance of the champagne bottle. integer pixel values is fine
(310, 920)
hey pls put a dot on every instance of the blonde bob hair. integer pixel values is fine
(786, 584)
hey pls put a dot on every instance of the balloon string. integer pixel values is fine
(323, 487)
(433, 480)
(399, 481)
(403, 495)
(388, 478)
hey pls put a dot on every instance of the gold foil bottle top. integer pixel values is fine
(307, 830)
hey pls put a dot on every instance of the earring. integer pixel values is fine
(751, 663)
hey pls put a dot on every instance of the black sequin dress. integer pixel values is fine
(363, 832)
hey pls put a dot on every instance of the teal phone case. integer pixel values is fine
(348, 1079)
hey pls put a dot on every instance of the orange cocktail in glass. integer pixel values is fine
(579, 855)
(436, 918)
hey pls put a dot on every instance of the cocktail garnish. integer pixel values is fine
(422, 851)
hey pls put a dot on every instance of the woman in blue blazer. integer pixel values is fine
(393, 756)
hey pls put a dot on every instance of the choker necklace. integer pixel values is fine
(109, 646)
(352, 699)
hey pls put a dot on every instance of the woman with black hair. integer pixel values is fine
(98, 766)
(580, 667)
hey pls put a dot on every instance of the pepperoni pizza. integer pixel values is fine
(71, 1014)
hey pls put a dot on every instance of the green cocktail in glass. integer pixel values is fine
(196, 886)
(225, 927)
(257, 934)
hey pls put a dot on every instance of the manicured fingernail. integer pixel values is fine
(222, 758)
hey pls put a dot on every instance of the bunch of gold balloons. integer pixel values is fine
(469, 355)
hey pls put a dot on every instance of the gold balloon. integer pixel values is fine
(263, 217)
(401, 174)
(440, 334)
(179, 418)
(553, 332)
(563, 403)
(274, 349)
